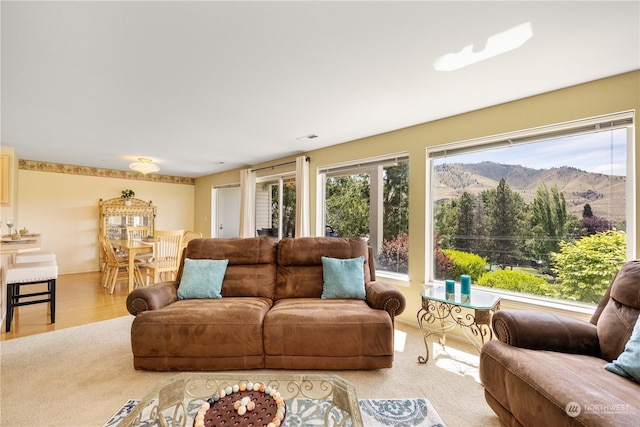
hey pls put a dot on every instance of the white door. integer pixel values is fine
(227, 212)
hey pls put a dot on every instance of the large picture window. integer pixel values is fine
(370, 199)
(547, 212)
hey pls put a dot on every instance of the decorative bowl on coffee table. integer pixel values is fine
(310, 399)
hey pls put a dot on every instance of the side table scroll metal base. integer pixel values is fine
(440, 315)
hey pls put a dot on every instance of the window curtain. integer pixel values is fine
(302, 197)
(247, 203)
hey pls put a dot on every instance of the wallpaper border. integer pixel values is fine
(37, 166)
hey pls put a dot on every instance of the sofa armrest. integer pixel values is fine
(152, 297)
(383, 296)
(537, 330)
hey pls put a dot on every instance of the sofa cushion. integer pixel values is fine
(202, 278)
(628, 363)
(343, 278)
(327, 328)
(227, 327)
(251, 271)
(540, 385)
(618, 317)
(300, 263)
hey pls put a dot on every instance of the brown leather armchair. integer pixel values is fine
(546, 369)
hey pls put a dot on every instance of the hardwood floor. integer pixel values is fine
(80, 299)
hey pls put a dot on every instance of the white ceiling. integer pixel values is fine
(193, 84)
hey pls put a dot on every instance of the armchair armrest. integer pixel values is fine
(546, 331)
(383, 296)
(152, 297)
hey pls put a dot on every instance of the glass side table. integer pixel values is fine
(440, 314)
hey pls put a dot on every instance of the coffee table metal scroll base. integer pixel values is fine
(439, 315)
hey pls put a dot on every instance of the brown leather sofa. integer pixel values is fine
(270, 314)
(548, 370)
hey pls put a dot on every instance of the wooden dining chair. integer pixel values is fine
(186, 238)
(115, 265)
(138, 232)
(167, 247)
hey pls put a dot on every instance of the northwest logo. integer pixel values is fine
(573, 409)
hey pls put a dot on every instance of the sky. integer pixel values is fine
(602, 152)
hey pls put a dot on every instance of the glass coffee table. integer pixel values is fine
(325, 400)
(442, 312)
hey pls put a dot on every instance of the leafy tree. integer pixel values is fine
(586, 211)
(394, 254)
(464, 263)
(549, 221)
(594, 224)
(584, 268)
(347, 205)
(443, 264)
(517, 281)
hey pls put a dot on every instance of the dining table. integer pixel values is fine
(132, 248)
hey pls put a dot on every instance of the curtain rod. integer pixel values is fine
(278, 165)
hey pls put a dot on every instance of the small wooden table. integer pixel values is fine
(132, 248)
(441, 313)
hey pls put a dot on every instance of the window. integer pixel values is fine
(276, 206)
(370, 199)
(546, 212)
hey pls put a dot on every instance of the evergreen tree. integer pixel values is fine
(480, 224)
(505, 228)
(586, 211)
(465, 230)
(444, 217)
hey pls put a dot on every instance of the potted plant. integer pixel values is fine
(127, 195)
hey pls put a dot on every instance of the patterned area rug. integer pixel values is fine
(375, 413)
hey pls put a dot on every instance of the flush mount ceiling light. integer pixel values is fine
(144, 166)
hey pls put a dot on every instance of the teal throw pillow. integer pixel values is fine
(628, 363)
(343, 278)
(202, 278)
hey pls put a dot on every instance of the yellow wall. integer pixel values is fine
(614, 94)
(63, 208)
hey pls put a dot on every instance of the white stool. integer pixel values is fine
(35, 256)
(30, 273)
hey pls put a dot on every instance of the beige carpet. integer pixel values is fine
(80, 376)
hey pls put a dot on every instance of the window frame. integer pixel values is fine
(279, 180)
(624, 119)
(353, 167)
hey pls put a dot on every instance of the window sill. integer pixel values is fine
(397, 279)
(512, 300)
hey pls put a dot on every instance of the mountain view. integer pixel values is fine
(605, 193)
